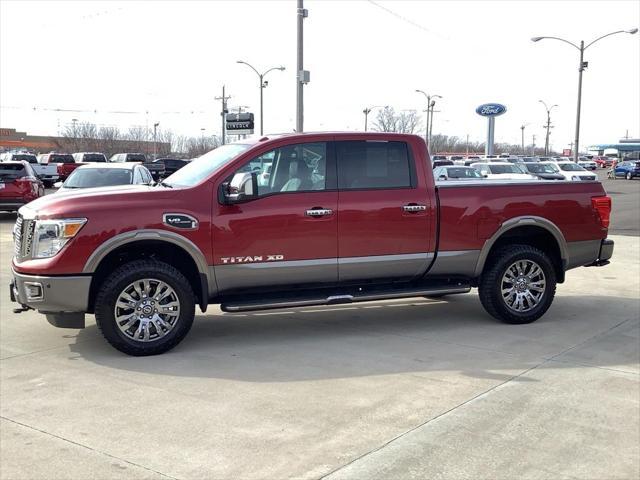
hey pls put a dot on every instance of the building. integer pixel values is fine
(628, 148)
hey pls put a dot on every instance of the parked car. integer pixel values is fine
(90, 157)
(457, 159)
(587, 164)
(171, 165)
(65, 163)
(628, 169)
(502, 171)
(603, 161)
(435, 158)
(573, 171)
(441, 163)
(156, 169)
(456, 172)
(107, 175)
(371, 226)
(544, 170)
(48, 174)
(19, 185)
(471, 159)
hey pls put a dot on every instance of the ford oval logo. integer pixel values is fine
(491, 109)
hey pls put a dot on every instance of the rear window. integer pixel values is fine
(10, 171)
(61, 158)
(463, 173)
(571, 167)
(94, 157)
(377, 165)
(506, 168)
(25, 158)
(98, 177)
(136, 157)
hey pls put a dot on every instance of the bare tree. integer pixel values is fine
(408, 122)
(387, 120)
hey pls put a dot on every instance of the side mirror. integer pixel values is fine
(484, 175)
(57, 184)
(442, 177)
(242, 188)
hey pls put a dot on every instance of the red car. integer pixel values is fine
(343, 217)
(19, 185)
(65, 161)
(604, 162)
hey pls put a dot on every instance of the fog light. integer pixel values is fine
(33, 290)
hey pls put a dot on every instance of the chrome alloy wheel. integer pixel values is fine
(147, 310)
(523, 285)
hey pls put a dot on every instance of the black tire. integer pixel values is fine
(490, 286)
(123, 276)
(629, 176)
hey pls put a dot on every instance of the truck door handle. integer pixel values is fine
(318, 212)
(414, 207)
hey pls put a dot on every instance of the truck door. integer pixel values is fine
(384, 211)
(288, 235)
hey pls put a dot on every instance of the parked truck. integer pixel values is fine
(48, 174)
(343, 217)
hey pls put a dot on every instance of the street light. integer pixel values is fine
(368, 110)
(155, 148)
(263, 84)
(546, 141)
(522, 127)
(581, 66)
(430, 103)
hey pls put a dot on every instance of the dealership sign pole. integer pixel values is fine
(491, 111)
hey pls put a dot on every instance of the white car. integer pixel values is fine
(573, 171)
(47, 173)
(502, 171)
(584, 162)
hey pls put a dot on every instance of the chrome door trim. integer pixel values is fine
(407, 265)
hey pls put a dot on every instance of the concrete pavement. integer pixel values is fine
(400, 389)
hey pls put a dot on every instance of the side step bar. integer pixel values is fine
(234, 307)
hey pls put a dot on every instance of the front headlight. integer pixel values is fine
(49, 236)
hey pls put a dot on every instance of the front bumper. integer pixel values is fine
(63, 299)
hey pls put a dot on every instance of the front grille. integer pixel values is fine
(23, 237)
(17, 237)
(586, 178)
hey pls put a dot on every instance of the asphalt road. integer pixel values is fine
(399, 389)
(625, 196)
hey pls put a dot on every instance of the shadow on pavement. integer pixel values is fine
(412, 336)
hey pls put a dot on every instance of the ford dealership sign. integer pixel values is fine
(491, 109)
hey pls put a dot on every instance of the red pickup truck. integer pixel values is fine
(342, 217)
(64, 161)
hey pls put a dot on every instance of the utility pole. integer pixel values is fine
(302, 76)
(522, 133)
(433, 103)
(224, 112)
(547, 126)
(427, 130)
(467, 144)
(533, 146)
(155, 144)
(366, 112)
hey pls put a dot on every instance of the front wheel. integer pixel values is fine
(145, 307)
(629, 176)
(518, 285)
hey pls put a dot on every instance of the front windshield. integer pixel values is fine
(542, 168)
(200, 168)
(98, 177)
(504, 168)
(571, 167)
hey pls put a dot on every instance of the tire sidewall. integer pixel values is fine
(503, 263)
(106, 316)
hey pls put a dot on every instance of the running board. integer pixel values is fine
(234, 307)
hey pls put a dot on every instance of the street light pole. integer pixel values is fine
(548, 126)
(432, 104)
(522, 132)
(302, 76)
(581, 66)
(427, 130)
(155, 144)
(367, 111)
(262, 85)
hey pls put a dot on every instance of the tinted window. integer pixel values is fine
(373, 165)
(571, 167)
(98, 177)
(61, 158)
(25, 158)
(94, 157)
(136, 157)
(292, 168)
(541, 168)
(9, 171)
(463, 173)
(506, 168)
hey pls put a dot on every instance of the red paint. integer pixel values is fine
(363, 222)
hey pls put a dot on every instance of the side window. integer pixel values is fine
(137, 176)
(292, 168)
(146, 176)
(373, 165)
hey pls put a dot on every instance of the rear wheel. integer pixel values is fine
(629, 176)
(145, 307)
(518, 285)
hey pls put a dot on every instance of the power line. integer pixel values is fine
(112, 112)
(405, 19)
